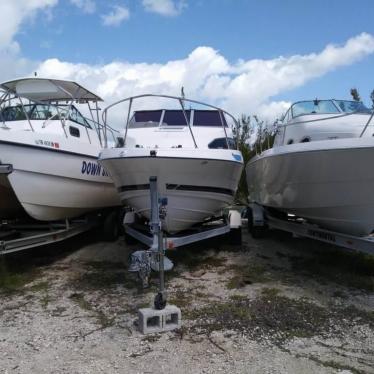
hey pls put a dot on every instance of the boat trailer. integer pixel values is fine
(16, 237)
(260, 220)
(153, 237)
(163, 317)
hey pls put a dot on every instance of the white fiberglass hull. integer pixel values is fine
(328, 182)
(197, 183)
(55, 182)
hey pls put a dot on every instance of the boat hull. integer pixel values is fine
(195, 187)
(55, 184)
(10, 207)
(330, 183)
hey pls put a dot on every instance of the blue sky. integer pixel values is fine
(160, 31)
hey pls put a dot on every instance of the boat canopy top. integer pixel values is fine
(47, 90)
(327, 107)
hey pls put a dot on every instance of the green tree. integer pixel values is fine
(252, 136)
(372, 99)
(355, 95)
(242, 132)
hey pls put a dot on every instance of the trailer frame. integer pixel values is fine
(218, 227)
(261, 219)
(36, 234)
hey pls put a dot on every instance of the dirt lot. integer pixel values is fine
(276, 305)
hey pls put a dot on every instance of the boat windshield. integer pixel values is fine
(348, 106)
(314, 107)
(208, 118)
(152, 118)
(41, 112)
(176, 118)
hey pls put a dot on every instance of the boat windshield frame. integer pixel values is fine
(335, 104)
(181, 100)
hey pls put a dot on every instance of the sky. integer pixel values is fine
(252, 57)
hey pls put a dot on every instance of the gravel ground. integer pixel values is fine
(276, 305)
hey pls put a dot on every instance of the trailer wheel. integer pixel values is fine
(129, 239)
(257, 232)
(235, 236)
(111, 227)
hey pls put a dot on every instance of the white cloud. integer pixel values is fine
(165, 7)
(14, 13)
(241, 87)
(87, 6)
(116, 16)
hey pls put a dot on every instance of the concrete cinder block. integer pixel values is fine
(153, 320)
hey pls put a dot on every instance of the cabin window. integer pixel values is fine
(44, 112)
(305, 140)
(15, 113)
(146, 118)
(176, 118)
(221, 143)
(208, 118)
(74, 132)
(290, 141)
(75, 116)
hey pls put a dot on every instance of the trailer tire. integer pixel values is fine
(111, 229)
(257, 232)
(235, 236)
(129, 239)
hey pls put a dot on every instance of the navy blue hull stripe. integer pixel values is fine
(179, 187)
(134, 187)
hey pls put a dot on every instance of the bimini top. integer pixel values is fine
(43, 89)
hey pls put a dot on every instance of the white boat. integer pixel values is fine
(49, 150)
(320, 167)
(190, 151)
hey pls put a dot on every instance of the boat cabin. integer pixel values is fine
(171, 127)
(313, 120)
(50, 106)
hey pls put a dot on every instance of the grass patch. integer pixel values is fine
(106, 265)
(13, 279)
(270, 292)
(245, 275)
(104, 276)
(336, 365)
(347, 268)
(196, 257)
(238, 298)
(45, 300)
(182, 299)
(39, 287)
(101, 318)
(275, 318)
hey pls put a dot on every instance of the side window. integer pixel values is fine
(16, 113)
(75, 116)
(74, 132)
(44, 112)
(220, 143)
